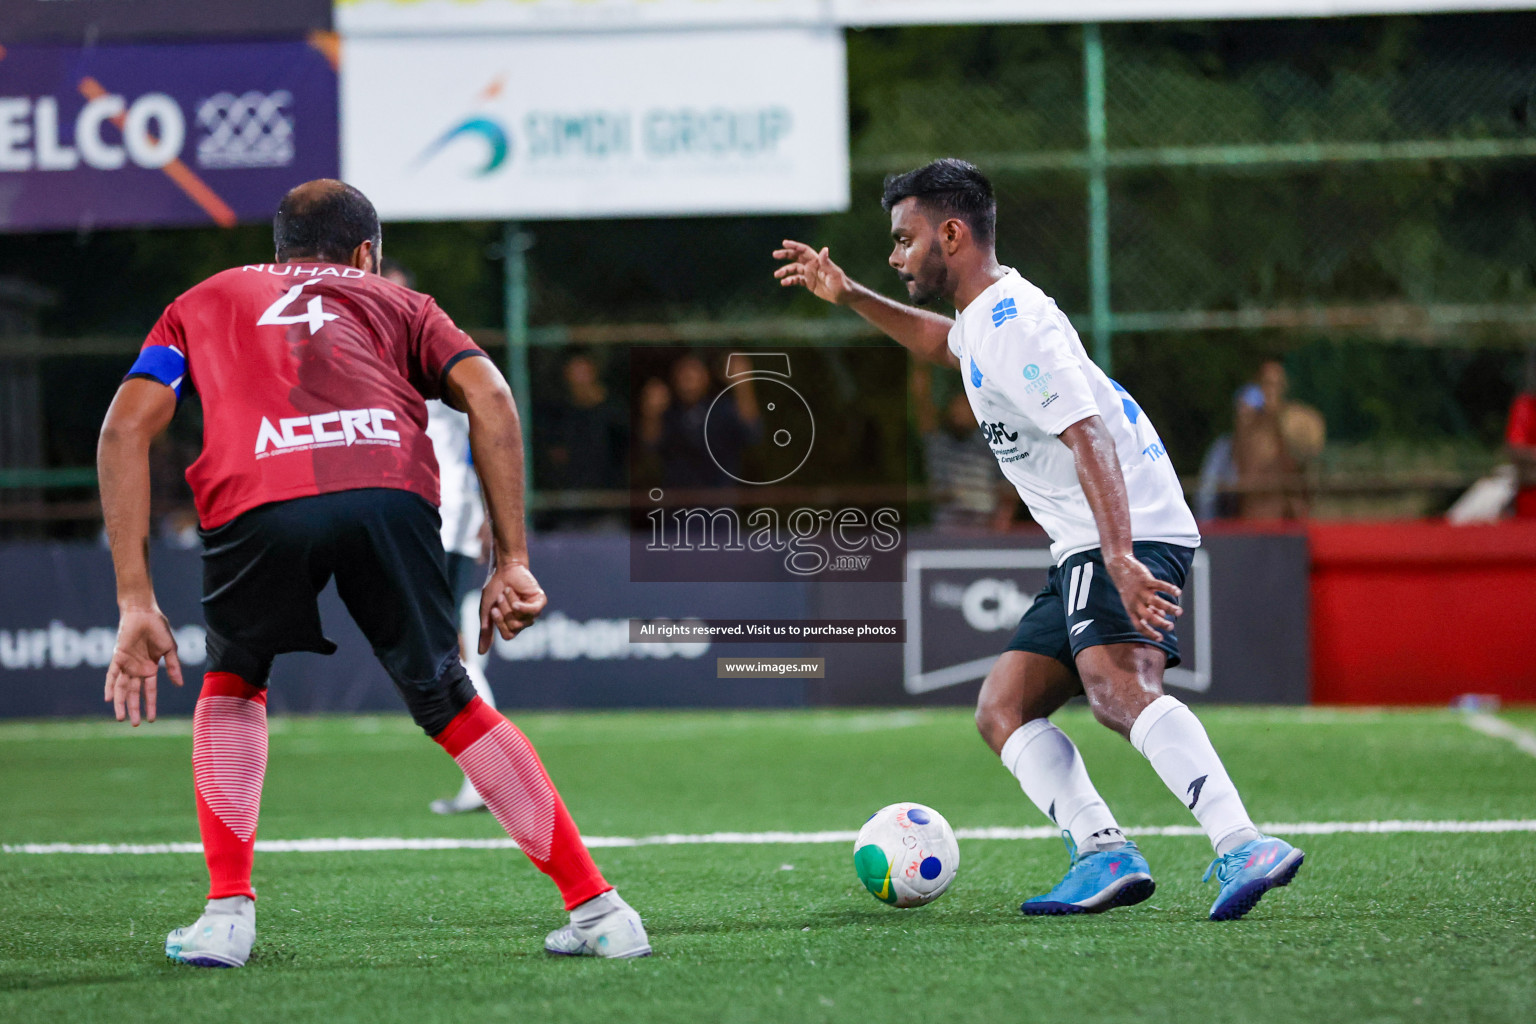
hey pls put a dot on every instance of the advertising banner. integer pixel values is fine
(99, 21)
(57, 633)
(369, 17)
(597, 125)
(160, 135)
(1244, 635)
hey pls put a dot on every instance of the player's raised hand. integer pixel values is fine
(812, 270)
(1143, 596)
(143, 639)
(511, 600)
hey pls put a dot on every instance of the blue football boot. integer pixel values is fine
(1250, 871)
(1096, 882)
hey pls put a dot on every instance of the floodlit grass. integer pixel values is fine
(1376, 928)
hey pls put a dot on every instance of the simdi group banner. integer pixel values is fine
(125, 135)
(597, 124)
(430, 16)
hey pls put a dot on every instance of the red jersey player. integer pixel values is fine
(1520, 435)
(314, 372)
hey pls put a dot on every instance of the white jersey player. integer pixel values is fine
(1088, 463)
(463, 515)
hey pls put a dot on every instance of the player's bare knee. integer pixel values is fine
(1108, 707)
(996, 722)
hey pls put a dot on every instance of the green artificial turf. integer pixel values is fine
(1407, 927)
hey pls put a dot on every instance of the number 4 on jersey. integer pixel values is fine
(314, 315)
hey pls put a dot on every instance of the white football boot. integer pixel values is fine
(462, 802)
(222, 937)
(603, 926)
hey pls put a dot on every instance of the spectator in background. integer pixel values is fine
(1520, 435)
(672, 426)
(584, 440)
(1272, 441)
(965, 491)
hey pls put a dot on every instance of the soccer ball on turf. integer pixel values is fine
(906, 855)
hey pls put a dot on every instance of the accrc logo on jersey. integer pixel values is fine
(250, 130)
(342, 428)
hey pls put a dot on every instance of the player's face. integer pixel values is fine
(916, 254)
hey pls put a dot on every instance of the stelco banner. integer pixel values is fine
(597, 125)
(176, 134)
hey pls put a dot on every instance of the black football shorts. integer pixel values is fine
(1080, 607)
(263, 572)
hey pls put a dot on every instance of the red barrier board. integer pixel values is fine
(1421, 612)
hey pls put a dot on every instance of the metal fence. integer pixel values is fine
(1352, 195)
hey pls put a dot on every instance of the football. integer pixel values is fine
(906, 855)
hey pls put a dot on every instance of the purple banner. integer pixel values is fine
(169, 135)
(103, 20)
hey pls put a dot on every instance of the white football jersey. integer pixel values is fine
(460, 506)
(1029, 378)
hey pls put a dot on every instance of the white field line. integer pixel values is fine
(1488, 725)
(346, 845)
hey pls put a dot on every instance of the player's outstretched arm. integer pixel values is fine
(512, 597)
(925, 334)
(141, 410)
(1098, 470)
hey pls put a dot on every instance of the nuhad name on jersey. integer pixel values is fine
(344, 427)
(303, 270)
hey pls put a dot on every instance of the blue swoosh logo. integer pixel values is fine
(494, 135)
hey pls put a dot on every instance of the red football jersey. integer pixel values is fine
(313, 378)
(1521, 430)
(1521, 433)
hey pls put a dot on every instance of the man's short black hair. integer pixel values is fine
(952, 188)
(324, 220)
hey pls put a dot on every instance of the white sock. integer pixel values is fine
(240, 906)
(1051, 772)
(1169, 735)
(585, 915)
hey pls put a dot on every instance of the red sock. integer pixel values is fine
(506, 772)
(229, 759)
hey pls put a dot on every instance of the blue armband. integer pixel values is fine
(163, 363)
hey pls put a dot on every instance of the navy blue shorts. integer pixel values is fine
(1080, 607)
